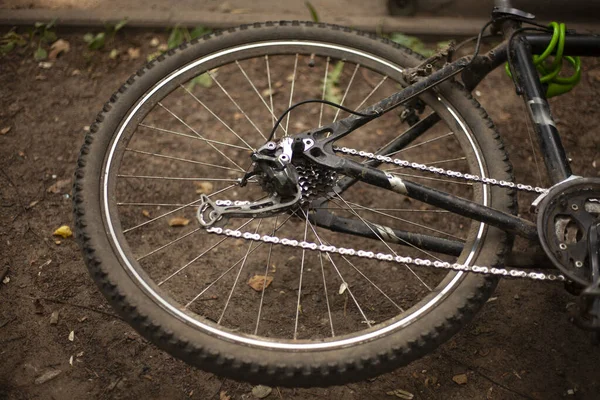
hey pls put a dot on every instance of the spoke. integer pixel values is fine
(371, 93)
(368, 280)
(301, 275)
(379, 209)
(326, 296)
(233, 266)
(287, 122)
(258, 93)
(216, 116)
(177, 178)
(172, 242)
(200, 136)
(192, 137)
(155, 205)
(175, 210)
(323, 93)
(262, 295)
(271, 98)
(430, 178)
(340, 275)
(180, 159)
(422, 143)
(407, 221)
(202, 254)
(337, 113)
(236, 104)
(385, 244)
(237, 278)
(373, 283)
(446, 161)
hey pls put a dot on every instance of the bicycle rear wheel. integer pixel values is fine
(185, 125)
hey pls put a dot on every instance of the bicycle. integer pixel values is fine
(234, 234)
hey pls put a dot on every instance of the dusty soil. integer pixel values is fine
(520, 346)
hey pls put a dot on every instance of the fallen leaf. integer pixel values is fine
(64, 231)
(58, 47)
(134, 53)
(178, 221)
(146, 213)
(6, 280)
(257, 282)
(71, 361)
(204, 187)
(72, 336)
(45, 377)
(343, 288)
(59, 186)
(261, 391)
(4, 131)
(114, 53)
(460, 379)
(223, 396)
(45, 65)
(75, 72)
(402, 394)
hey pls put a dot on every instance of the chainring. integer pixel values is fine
(565, 216)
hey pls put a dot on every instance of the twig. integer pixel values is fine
(472, 368)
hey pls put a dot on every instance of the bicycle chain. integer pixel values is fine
(511, 273)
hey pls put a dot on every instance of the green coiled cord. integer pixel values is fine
(557, 85)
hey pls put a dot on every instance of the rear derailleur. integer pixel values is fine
(273, 169)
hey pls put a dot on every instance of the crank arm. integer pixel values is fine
(210, 212)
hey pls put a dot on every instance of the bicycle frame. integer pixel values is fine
(473, 70)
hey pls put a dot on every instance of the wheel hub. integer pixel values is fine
(565, 217)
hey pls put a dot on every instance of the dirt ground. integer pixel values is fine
(521, 345)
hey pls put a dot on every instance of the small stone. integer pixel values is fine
(516, 297)
(72, 336)
(154, 42)
(46, 376)
(460, 379)
(261, 391)
(54, 318)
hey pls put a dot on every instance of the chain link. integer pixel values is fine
(503, 272)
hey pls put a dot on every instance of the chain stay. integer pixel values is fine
(440, 171)
(509, 273)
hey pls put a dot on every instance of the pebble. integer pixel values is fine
(54, 318)
(261, 391)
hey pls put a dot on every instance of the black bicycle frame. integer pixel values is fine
(473, 70)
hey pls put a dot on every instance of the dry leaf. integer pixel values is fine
(134, 53)
(178, 221)
(223, 395)
(146, 213)
(258, 281)
(461, 379)
(4, 131)
(58, 186)
(64, 231)
(204, 187)
(72, 336)
(60, 46)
